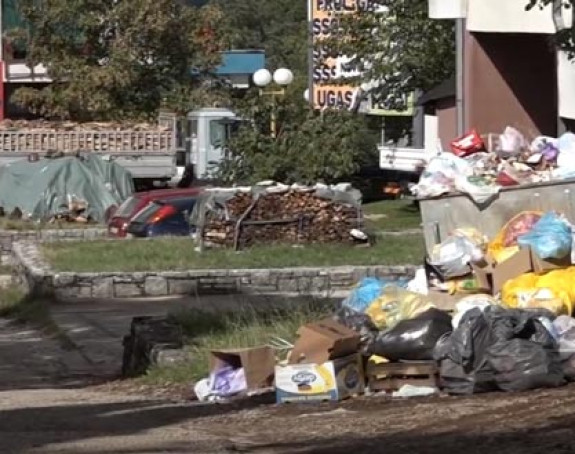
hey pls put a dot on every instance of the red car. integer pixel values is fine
(118, 223)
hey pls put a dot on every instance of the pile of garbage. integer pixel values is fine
(512, 328)
(481, 166)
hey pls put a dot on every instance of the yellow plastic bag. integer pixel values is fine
(394, 305)
(504, 245)
(554, 291)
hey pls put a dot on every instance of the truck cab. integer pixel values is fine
(201, 137)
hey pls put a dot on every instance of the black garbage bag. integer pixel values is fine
(464, 368)
(568, 367)
(455, 380)
(361, 323)
(504, 349)
(524, 354)
(521, 364)
(413, 339)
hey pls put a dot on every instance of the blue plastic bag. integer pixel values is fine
(368, 290)
(550, 238)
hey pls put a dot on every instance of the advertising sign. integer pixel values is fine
(324, 16)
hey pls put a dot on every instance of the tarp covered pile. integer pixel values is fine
(49, 188)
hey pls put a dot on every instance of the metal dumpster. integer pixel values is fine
(442, 215)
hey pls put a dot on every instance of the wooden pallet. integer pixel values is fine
(391, 377)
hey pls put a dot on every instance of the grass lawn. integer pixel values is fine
(178, 254)
(246, 328)
(392, 215)
(5, 269)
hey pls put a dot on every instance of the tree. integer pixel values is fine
(277, 26)
(565, 36)
(119, 58)
(396, 49)
(309, 146)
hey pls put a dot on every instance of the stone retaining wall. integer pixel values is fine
(9, 237)
(35, 276)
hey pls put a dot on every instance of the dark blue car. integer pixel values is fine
(164, 218)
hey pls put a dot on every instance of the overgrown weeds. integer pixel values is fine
(249, 327)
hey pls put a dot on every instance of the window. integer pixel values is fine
(217, 133)
(181, 160)
(127, 208)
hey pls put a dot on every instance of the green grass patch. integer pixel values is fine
(246, 328)
(12, 300)
(392, 215)
(168, 254)
(5, 269)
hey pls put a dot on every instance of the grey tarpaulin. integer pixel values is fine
(44, 188)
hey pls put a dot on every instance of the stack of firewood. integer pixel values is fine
(293, 217)
(41, 135)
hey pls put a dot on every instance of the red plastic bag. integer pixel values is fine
(468, 144)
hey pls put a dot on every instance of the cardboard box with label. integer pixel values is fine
(258, 364)
(324, 365)
(334, 380)
(492, 275)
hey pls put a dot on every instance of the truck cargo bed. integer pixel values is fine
(99, 141)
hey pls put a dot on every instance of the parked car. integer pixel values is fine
(121, 218)
(163, 218)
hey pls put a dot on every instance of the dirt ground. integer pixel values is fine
(52, 401)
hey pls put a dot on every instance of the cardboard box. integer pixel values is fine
(540, 265)
(323, 341)
(331, 381)
(492, 275)
(258, 364)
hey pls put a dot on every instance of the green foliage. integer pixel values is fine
(309, 146)
(117, 59)
(278, 26)
(396, 50)
(564, 36)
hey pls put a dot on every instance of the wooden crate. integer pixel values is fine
(391, 377)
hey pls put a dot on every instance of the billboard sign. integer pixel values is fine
(324, 69)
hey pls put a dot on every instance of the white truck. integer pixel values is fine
(180, 146)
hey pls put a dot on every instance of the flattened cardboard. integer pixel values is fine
(493, 276)
(544, 265)
(258, 364)
(322, 341)
(334, 380)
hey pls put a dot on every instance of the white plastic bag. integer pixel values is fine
(439, 176)
(479, 194)
(419, 283)
(512, 141)
(452, 256)
(565, 328)
(471, 302)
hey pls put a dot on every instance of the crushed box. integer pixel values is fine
(323, 341)
(258, 364)
(491, 275)
(333, 380)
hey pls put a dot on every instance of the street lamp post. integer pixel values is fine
(263, 78)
